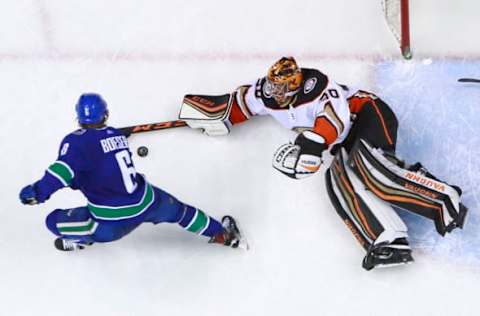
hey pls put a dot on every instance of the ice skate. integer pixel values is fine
(387, 255)
(64, 244)
(231, 236)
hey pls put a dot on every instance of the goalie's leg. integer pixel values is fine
(374, 224)
(371, 148)
(410, 188)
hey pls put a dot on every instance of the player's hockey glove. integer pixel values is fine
(28, 195)
(301, 159)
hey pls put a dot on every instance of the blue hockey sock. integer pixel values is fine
(196, 221)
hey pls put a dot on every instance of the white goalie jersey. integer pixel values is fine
(320, 106)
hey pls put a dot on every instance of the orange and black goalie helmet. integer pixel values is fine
(284, 78)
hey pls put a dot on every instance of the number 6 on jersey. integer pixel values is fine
(128, 170)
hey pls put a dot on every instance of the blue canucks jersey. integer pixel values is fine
(98, 162)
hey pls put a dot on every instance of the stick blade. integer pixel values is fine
(469, 80)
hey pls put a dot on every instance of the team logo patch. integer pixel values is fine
(309, 85)
(267, 89)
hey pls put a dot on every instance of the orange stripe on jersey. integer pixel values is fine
(326, 129)
(236, 114)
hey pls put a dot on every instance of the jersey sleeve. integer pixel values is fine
(246, 103)
(332, 115)
(61, 173)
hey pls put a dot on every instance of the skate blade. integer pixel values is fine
(242, 243)
(391, 265)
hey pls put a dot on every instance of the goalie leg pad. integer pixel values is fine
(371, 220)
(406, 189)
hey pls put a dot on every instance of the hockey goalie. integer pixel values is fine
(366, 181)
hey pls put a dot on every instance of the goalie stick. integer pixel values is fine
(469, 80)
(141, 128)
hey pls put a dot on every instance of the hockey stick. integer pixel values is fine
(141, 128)
(469, 80)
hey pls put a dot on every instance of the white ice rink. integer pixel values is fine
(143, 56)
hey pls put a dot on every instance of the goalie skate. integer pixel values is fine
(387, 255)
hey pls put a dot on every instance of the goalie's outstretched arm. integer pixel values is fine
(216, 114)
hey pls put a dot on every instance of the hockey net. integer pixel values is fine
(397, 16)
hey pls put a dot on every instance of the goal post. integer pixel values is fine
(397, 17)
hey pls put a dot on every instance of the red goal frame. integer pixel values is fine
(405, 29)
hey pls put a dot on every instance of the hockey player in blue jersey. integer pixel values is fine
(96, 160)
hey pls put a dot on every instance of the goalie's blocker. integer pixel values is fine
(207, 112)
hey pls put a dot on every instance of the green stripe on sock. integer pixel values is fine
(199, 223)
(77, 229)
(62, 171)
(114, 213)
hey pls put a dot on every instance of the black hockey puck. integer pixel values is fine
(142, 151)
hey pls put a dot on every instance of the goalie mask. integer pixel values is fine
(284, 78)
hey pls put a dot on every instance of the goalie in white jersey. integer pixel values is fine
(365, 178)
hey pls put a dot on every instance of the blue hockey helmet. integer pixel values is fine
(91, 109)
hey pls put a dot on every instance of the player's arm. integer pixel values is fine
(217, 114)
(58, 175)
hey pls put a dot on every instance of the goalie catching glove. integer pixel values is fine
(301, 159)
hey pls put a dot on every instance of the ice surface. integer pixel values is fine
(439, 126)
(143, 56)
